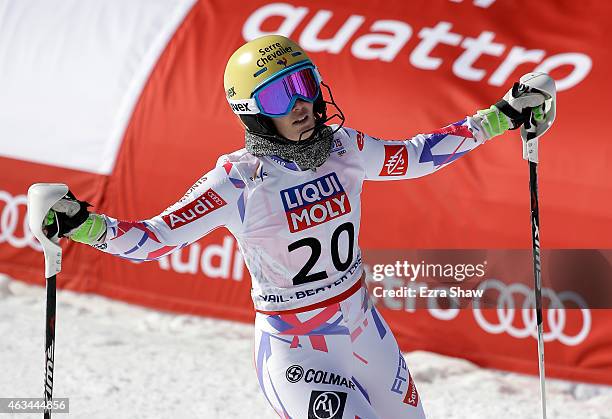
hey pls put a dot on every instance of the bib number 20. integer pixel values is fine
(304, 275)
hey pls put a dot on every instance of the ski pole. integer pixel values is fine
(537, 270)
(530, 133)
(41, 197)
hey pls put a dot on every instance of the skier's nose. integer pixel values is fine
(298, 105)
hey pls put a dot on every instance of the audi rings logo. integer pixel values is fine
(556, 320)
(294, 373)
(10, 221)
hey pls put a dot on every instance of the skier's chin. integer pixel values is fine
(305, 133)
(302, 130)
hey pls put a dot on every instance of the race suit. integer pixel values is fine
(322, 350)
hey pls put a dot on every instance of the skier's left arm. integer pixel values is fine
(426, 153)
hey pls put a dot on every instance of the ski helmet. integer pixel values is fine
(250, 88)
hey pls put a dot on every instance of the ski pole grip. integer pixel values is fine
(41, 197)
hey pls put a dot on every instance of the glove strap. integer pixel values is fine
(516, 117)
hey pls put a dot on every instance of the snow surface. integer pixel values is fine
(115, 360)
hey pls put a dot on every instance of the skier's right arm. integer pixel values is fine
(210, 203)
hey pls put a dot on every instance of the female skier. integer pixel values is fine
(291, 198)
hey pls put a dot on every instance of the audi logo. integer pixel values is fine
(556, 320)
(9, 222)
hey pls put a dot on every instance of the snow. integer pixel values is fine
(123, 361)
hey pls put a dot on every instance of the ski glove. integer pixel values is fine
(69, 218)
(511, 112)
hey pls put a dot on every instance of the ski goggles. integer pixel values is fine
(277, 97)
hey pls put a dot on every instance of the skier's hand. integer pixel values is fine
(510, 112)
(494, 122)
(518, 104)
(69, 218)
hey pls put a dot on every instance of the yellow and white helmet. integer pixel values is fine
(264, 77)
(256, 64)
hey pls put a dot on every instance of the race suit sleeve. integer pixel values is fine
(210, 203)
(417, 156)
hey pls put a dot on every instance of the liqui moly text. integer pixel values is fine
(314, 202)
(205, 203)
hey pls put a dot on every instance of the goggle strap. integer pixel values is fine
(317, 75)
(244, 106)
